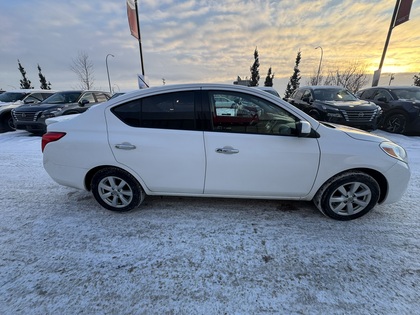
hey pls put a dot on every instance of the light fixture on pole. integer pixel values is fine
(320, 62)
(107, 71)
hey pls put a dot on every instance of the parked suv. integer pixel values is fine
(32, 117)
(12, 99)
(400, 105)
(337, 105)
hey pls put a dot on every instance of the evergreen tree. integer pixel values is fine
(294, 79)
(255, 74)
(44, 84)
(269, 78)
(24, 83)
(417, 80)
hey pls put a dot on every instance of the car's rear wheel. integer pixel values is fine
(117, 190)
(347, 196)
(395, 123)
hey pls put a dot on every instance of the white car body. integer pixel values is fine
(190, 163)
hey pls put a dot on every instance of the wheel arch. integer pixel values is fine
(377, 176)
(89, 175)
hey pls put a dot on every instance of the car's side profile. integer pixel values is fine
(175, 140)
(400, 105)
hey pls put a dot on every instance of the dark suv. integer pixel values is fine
(32, 117)
(336, 105)
(13, 99)
(400, 105)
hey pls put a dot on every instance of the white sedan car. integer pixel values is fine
(172, 140)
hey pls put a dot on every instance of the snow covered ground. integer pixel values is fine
(61, 253)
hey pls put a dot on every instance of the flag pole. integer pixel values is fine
(391, 26)
(138, 28)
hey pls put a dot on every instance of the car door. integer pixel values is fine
(258, 153)
(155, 137)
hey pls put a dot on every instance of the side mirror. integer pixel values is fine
(303, 128)
(383, 99)
(83, 102)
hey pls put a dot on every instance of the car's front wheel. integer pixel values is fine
(117, 190)
(395, 123)
(347, 196)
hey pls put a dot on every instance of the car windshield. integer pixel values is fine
(12, 96)
(334, 95)
(63, 98)
(408, 94)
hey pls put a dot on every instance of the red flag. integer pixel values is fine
(132, 18)
(403, 12)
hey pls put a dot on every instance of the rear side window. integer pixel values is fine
(100, 97)
(166, 111)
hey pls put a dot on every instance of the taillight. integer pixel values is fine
(51, 137)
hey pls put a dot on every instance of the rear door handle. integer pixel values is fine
(125, 146)
(227, 150)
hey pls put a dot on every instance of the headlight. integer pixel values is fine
(394, 150)
(51, 113)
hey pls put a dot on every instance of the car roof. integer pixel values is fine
(390, 88)
(322, 87)
(30, 91)
(192, 86)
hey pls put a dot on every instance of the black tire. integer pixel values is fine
(117, 190)
(347, 196)
(395, 123)
(6, 123)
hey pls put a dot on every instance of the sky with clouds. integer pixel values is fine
(202, 41)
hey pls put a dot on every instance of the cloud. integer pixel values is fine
(203, 40)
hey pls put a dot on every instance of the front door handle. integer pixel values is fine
(227, 150)
(125, 146)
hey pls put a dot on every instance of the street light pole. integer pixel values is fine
(320, 62)
(107, 71)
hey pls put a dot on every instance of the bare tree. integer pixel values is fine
(352, 76)
(82, 66)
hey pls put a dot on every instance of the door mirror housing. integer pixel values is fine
(83, 102)
(304, 128)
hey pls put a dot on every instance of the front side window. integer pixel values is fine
(243, 113)
(307, 96)
(88, 97)
(382, 96)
